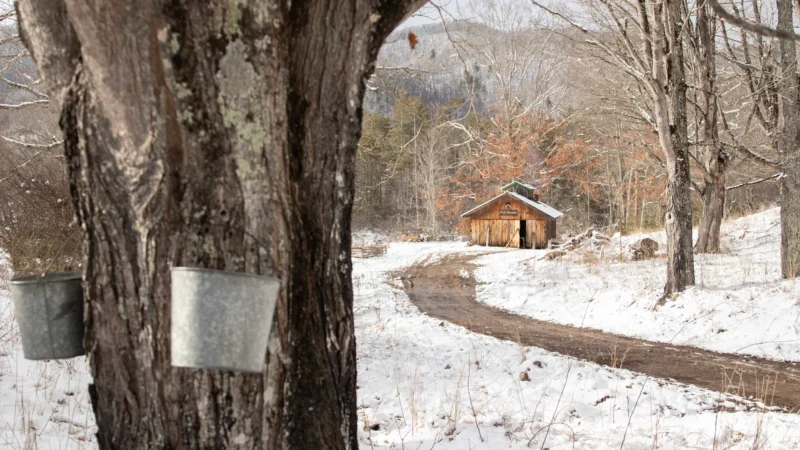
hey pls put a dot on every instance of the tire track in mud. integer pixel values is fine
(439, 290)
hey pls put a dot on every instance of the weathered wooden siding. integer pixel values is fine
(538, 227)
(501, 233)
(506, 233)
(524, 212)
(503, 229)
(529, 233)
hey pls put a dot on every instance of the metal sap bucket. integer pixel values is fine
(49, 312)
(221, 320)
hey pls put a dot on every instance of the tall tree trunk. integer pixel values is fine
(712, 157)
(708, 232)
(221, 135)
(680, 257)
(669, 94)
(788, 141)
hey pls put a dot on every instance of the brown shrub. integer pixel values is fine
(36, 220)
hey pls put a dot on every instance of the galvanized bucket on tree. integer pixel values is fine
(221, 320)
(49, 312)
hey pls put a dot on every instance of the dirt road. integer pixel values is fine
(439, 290)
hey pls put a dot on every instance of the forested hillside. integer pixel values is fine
(513, 93)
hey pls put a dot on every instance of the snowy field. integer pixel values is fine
(424, 384)
(739, 305)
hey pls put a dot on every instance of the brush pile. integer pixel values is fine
(592, 245)
(588, 242)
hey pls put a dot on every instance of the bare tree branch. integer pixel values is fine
(757, 28)
(24, 104)
(30, 144)
(750, 183)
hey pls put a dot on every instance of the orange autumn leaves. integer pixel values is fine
(559, 160)
(530, 149)
(412, 40)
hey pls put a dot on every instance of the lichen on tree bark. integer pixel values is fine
(215, 134)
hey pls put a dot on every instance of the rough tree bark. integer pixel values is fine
(711, 156)
(217, 134)
(669, 95)
(788, 141)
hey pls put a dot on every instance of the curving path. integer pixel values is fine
(439, 290)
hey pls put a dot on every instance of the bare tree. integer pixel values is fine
(788, 142)
(644, 39)
(511, 40)
(711, 157)
(786, 137)
(221, 135)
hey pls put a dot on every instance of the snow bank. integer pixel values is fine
(740, 303)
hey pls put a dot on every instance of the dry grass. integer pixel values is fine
(5, 271)
(36, 219)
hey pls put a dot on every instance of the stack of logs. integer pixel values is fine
(368, 252)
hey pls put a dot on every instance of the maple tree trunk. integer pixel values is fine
(221, 135)
(708, 233)
(788, 146)
(670, 108)
(712, 158)
(678, 223)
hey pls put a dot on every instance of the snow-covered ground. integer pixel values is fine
(43, 405)
(369, 238)
(427, 384)
(740, 303)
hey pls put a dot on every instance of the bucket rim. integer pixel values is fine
(224, 272)
(219, 367)
(47, 278)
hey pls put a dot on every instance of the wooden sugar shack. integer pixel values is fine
(515, 218)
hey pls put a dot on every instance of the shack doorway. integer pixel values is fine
(523, 234)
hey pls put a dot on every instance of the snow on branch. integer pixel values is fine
(23, 87)
(30, 144)
(752, 182)
(24, 104)
(8, 14)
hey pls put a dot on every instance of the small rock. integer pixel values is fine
(523, 376)
(447, 366)
(538, 364)
(644, 248)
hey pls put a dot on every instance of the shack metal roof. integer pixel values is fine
(539, 206)
(517, 183)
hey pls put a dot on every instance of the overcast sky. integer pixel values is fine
(460, 9)
(429, 14)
